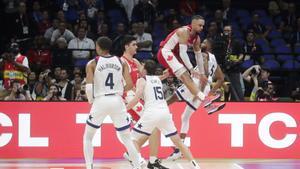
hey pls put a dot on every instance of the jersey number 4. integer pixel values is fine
(110, 81)
(158, 93)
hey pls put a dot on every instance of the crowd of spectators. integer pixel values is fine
(56, 39)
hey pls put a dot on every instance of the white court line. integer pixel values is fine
(238, 166)
(180, 166)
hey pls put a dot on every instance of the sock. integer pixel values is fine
(152, 159)
(194, 163)
(88, 147)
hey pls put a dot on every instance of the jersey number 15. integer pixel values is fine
(158, 93)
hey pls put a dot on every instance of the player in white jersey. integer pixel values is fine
(212, 71)
(104, 90)
(156, 112)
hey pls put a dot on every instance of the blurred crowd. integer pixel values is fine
(47, 43)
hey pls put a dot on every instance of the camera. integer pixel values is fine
(82, 92)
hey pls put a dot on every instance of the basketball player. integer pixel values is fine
(173, 54)
(135, 67)
(156, 113)
(104, 90)
(212, 71)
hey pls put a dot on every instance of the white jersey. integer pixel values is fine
(108, 76)
(212, 67)
(153, 94)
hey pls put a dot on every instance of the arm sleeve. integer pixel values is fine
(89, 92)
(199, 60)
(184, 56)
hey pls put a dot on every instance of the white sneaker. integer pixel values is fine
(142, 160)
(175, 155)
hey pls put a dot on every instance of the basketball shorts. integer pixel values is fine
(111, 105)
(155, 118)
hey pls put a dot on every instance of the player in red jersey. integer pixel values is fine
(135, 67)
(173, 55)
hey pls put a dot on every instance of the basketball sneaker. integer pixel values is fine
(210, 99)
(142, 160)
(215, 107)
(195, 164)
(156, 165)
(175, 155)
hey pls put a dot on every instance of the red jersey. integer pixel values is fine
(133, 69)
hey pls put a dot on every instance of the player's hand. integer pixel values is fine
(201, 77)
(165, 74)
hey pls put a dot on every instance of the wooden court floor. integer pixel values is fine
(122, 164)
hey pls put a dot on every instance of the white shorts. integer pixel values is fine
(184, 94)
(159, 118)
(111, 105)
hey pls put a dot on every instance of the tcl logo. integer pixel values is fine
(238, 121)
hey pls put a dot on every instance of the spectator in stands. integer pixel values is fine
(128, 6)
(16, 66)
(260, 30)
(54, 94)
(45, 23)
(290, 17)
(233, 60)
(22, 28)
(133, 29)
(49, 31)
(60, 16)
(188, 8)
(57, 71)
(77, 84)
(143, 12)
(36, 13)
(257, 77)
(65, 85)
(144, 40)
(81, 95)
(103, 30)
(39, 55)
(62, 32)
(219, 20)
(228, 12)
(117, 38)
(32, 79)
(212, 31)
(82, 56)
(170, 17)
(169, 87)
(17, 92)
(296, 93)
(252, 50)
(266, 92)
(61, 55)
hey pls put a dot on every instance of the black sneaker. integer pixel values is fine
(156, 165)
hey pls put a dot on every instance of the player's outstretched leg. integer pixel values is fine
(185, 151)
(88, 147)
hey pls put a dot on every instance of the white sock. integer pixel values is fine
(88, 147)
(152, 159)
(134, 155)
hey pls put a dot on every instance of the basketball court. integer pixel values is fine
(122, 164)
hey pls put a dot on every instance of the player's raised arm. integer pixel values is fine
(127, 77)
(183, 35)
(198, 55)
(90, 69)
(140, 85)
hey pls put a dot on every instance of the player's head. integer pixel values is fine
(103, 44)
(150, 67)
(129, 45)
(197, 23)
(206, 45)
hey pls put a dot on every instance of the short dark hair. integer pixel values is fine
(195, 17)
(104, 43)
(127, 40)
(150, 66)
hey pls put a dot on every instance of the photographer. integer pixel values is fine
(258, 77)
(80, 94)
(54, 94)
(233, 60)
(15, 66)
(17, 92)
